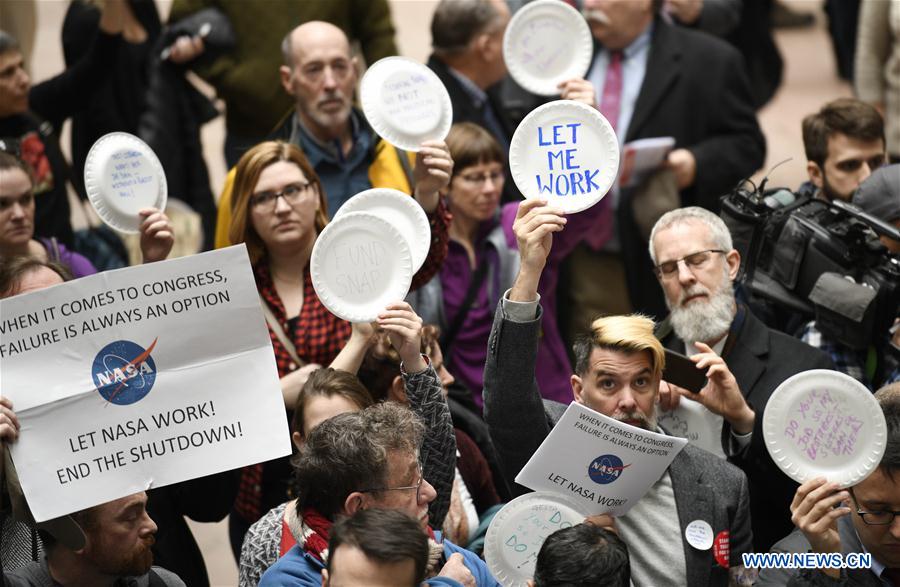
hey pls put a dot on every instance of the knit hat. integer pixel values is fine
(879, 194)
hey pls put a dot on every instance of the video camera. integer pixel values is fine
(821, 259)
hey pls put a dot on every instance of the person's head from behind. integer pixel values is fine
(696, 264)
(320, 73)
(278, 201)
(378, 548)
(16, 205)
(468, 35)
(362, 460)
(582, 555)
(118, 537)
(21, 275)
(380, 369)
(844, 144)
(327, 393)
(14, 81)
(879, 195)
(876, 499)
(617, 23)
(618, 367)
(477, 181)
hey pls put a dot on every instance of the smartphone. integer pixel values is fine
(681, 371)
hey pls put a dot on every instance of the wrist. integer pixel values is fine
(427, 199)
(413, 364)
(525, 287)
(743, 423)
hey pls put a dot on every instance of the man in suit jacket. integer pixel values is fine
(696, 265)
(617, 373)
(678, 83)
(863, 519)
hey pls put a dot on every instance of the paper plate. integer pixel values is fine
(824, 423)
(405, 102)
(565, 152)
(517, 532)
(360, 263)
(401, 210)
(121, 176)
(545, 43)
(693, 421)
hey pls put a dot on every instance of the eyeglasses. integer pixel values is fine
(693, 261)
(479, 179)
(25, 201)
(417, 486)
(884, 518)
(292, 193)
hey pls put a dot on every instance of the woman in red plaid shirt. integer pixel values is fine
(279, 210)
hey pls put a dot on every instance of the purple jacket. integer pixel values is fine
(77, 264)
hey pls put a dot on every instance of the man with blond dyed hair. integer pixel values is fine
(618, 369)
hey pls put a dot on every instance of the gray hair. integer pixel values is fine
(718, 231)
(456, 22)
(350, 452)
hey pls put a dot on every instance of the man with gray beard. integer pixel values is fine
(696, 265)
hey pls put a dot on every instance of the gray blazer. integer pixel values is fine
(706, 487)
(797, 542)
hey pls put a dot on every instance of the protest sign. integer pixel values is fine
(564, 152)
(605, 464)
(138, 378)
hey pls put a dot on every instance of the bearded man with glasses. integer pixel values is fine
(743, 359)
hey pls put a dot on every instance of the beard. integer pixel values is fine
(326, 119)
(703, 321)
(596, 16)
(637, 419)
(115, 563)
(832, 194)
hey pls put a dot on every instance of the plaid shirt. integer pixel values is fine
(846, 359)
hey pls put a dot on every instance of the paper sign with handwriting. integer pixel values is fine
(139, 378)
(691, 420)
(604, 464)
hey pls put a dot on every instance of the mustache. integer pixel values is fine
(694, 290)
(643, 421)
(595, 15)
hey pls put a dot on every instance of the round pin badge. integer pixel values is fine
(699, 534)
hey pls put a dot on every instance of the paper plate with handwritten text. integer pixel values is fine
(565, 152)
(122, 175)
(405, 102)
(823, 423)
(518, 531)
(547, 42)
(360, 263)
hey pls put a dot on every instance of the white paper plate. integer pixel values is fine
(517, 532)
(405, 102)
(121, 176)
(693, 421)
(824, 423)
(547, 42)
(401, 210)
(360, 263)
(565, 152)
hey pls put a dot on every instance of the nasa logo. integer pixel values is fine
(124, 372)
(606, 469)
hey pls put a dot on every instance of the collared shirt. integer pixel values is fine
(481, 102)
(342, 176)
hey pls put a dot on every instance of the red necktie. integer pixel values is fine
(610, 104)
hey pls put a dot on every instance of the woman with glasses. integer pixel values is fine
(482, 261)
(17, 209)
(279, 209)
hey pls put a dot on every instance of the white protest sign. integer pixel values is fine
(547, 42)
(138, 378)
(566, 153)
(691, 420)
(605, 464)
(824, 423)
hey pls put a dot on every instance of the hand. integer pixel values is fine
(721, 395)
(605, 521)
(813, 511)
(293, 382)
(685, 11)
(579, 90)
(534, 227)
(456, 569)
(184, 49)
(670, 395)
(9, 423)
(404, 328)
(434, 165)
(363, 332)
(684, 166)
(157, 235)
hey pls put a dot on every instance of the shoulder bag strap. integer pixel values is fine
(407, 168)
(449, 335)
(280, 333)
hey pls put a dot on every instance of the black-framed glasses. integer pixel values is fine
(883, 518)
(693, 261)
(417, 486)
(292, 193)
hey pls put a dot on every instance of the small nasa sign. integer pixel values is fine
(606, 469)
(124, 372)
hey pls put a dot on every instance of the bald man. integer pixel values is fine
(320, 74)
